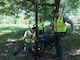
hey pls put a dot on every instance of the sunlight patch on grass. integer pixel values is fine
(13, 25)
(5, 31)
(75, 52)
(9, 44)
(77, 32)
(1, 33)
(6, 50)
(3, 54)
(12, 40)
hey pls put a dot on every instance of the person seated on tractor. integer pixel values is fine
(29, 40)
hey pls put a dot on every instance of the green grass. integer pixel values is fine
(72, 42)
(10, 33)
(7, 35)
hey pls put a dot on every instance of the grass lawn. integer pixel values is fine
(12, 34)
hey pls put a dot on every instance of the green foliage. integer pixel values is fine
(73, 4)
(12, 7)
(70, 5)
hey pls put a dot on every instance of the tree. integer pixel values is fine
(12, 7)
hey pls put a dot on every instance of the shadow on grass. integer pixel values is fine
(8, 43)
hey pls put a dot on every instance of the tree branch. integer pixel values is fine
(45, 4)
